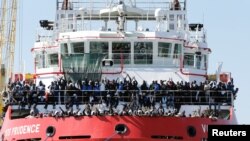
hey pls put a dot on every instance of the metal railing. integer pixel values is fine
(100, 4)
(169, 97)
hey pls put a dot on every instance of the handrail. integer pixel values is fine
(194, 97)
(114, 102)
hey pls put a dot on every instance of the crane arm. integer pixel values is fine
(2, 40)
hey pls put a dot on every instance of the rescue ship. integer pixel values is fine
(118, 70)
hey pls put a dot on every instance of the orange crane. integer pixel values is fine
(7, 40)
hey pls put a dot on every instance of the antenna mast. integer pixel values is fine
(7, 40)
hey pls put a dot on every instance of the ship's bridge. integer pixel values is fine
(133, 51)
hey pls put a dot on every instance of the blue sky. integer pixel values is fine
(228, 27)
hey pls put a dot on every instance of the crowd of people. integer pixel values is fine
(138, 98)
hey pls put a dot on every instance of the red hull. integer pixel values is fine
(103, 128)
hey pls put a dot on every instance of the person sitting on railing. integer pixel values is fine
(151, 95)
(96, 89)
(41, 90)
(90, 91)
(26, 91)
(23, 91)
(142, 100)
(103, 89)
(143, 92)
(87, 110)
(151, 100)
(75, 101)
(170, 96)
(156, 87)
(135, 91)
(84, 90)
(52, 90)
(78, 84)
(186, 93)
(62, 87)
(144, 88)
(35, 97)
(202, 98)
(230, 87)
(194, 93)
(207, 91)
(70, 90)
(163, 92)
(161, 110)
(171, 101)
(46, 99)
(109, 98)
(134, 85)
(56, 92)
(219, 97)
(120, 88)
(199, 96)
(9, 96)
(111, 86)
(17, 92)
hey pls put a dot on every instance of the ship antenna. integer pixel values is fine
(66, 5)
(121, 19)
(185, 4)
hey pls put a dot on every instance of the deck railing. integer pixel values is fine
(149, 97)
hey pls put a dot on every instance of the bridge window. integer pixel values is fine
(171, 17)
(198, 61)
(179, 17)
(205, 62)
(38, 61)
(177, 51)
(171, 26)
(189, 59)
(164, 49)
(53, 59)
(99, 47)
(143, 53)
(64, 48)
(121, 52)
(78, 48)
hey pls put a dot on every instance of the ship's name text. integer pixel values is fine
(22, 130)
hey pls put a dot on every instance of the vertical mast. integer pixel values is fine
(2, 41)
(7, 39)
(12, 38)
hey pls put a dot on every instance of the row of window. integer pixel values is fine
(143, 51)
(142, 54)
(195, 61)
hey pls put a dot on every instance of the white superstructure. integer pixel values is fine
(149, 40)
